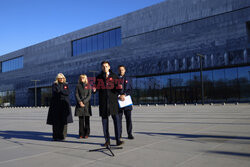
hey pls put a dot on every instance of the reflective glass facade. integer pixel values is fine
(46, 94)
(97, 42)
(222, 85)
(13, 64)
(7, 97)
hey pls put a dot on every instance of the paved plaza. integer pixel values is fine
(165, 136)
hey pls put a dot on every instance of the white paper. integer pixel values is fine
(126, 102)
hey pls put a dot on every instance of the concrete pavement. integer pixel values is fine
(165, 136)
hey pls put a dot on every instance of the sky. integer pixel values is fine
(27, 22)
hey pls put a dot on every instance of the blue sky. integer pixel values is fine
(27, 22)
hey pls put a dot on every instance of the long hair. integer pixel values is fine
(60, 75)
(85, 78)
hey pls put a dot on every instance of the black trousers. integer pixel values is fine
(84, 126)
(105, 125)
(59, 131)
(127, 114)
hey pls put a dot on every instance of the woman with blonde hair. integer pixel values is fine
(60, 114)
(83, 108)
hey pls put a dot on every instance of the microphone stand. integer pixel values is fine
(109, 148)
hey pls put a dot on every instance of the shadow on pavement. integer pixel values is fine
(230, 153)
(42, 136)
(179, 135)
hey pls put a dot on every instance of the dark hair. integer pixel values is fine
(121, 66)
(104, 62)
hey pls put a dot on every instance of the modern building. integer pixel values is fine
(157, 44)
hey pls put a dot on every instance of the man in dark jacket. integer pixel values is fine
(126, 90)
(106, 84)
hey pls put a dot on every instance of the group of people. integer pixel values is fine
(110, 87)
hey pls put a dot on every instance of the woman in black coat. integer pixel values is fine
(60, 114)
(83, 108)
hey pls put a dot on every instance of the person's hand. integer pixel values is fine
(122, 97)
(81, 104)
(94, 89)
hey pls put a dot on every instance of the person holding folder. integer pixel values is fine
(125, 92)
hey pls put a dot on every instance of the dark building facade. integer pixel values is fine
(157, 44)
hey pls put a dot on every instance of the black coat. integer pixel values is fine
(126, 89)
(60, 109)
(83, 93)
(108, 94)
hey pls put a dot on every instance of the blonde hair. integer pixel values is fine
(60, 75)
(85, 78)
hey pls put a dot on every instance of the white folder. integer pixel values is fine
(126, 102)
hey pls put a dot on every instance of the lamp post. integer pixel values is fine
(35, 91)
(201, 77)
(94, 78)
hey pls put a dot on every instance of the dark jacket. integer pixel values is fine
(126, 89)
(83, 93)
(60, 109)
(108, 94)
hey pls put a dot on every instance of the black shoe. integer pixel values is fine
(107, 144)
(119, 142)
(131, 137)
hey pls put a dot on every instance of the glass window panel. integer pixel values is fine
(174, 80)
(244, 83)
(106, 39)
(118, 37)
(16, 63)
(94, 43)
(244, 73)
(231, 74)
(100, 41)
(3, 67)
(231, 84)
(8, 65)
(207, 76)
(112, 38)
(84, 45)
(74, 48)
(89, 44)
(9, 68)
(165, 80)
(21, 62)
(184, 79)
(11, 64)
(219, 85)
(218, 75)
(79, 47)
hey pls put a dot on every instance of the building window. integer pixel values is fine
(7, 98)
(97, 42)
(12, 64)
(248, 31)
(220, 85)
